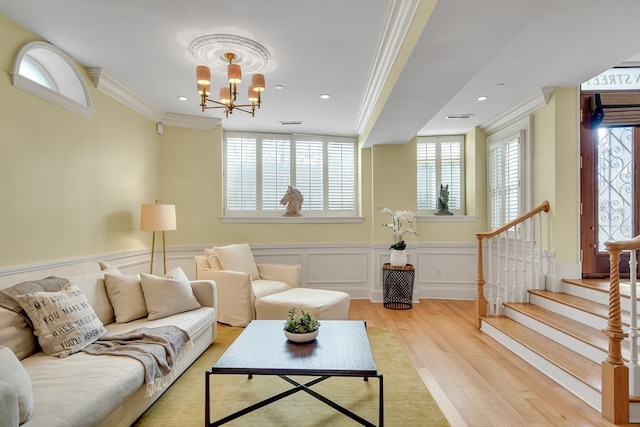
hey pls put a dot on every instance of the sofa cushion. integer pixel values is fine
(238, 258)
(167, 295)
(125, 294)
(14, 373)
(93, 287)
(263, 288)
(16, 334)
(63, 321)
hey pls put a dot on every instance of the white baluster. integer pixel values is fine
(490, 284)
(498, 293)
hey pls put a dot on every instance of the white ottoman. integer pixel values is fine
(320, 303)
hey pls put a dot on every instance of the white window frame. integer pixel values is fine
(259, 212)
(434, 189)
(521, 129)
(65, 85)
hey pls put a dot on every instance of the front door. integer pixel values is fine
(610, 191)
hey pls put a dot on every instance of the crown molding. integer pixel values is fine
(526, 108)
(193, 122)
(396, 28)
(115, 89)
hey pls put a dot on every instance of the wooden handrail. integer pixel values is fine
(481, 302)
(544, 207)
(623, 245)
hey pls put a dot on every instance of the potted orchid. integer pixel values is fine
(403, 222)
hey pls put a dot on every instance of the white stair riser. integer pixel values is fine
(596, 296)
(587, 350)
(587, 394)
(570, 312)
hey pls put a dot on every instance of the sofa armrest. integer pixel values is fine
(206, 292)
(287, 273)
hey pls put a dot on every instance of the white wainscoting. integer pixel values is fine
(443, 271)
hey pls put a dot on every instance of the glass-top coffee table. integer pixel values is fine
(341, 349)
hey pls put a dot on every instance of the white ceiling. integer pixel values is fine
(508, 50)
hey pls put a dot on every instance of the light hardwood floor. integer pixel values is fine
(475, 380)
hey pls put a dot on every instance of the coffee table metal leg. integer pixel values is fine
(207, 409)
(381, 403)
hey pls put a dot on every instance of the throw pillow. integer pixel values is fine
(212, 257)
(63, 321)
(238, 258)
(8, 295)
(168, 295)
(16, 334)
(125, 294)
(14, 373)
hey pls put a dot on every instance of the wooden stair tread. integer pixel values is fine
(571, 362)
(574, 328)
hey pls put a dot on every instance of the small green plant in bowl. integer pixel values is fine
(301, 327)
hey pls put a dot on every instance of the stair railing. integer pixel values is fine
(618, 379)
(514, 269)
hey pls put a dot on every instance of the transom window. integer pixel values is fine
(440, 162)
(42, 69)
(259, 168)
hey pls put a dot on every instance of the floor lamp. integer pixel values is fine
(158, 217)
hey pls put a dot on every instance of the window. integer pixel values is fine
(440, 162)
(259, 168)
(43, 70)
(507, 173)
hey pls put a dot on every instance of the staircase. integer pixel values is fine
(561, 335)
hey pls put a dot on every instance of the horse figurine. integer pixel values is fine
(443, 201)
(293, 199)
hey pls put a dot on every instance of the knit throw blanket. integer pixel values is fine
(158, 349)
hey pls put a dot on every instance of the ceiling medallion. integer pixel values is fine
(210, 49)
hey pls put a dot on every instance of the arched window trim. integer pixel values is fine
(44, 92)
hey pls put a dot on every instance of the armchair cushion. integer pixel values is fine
(262, 288)
(238, 258)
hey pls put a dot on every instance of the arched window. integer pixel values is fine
(43, 70)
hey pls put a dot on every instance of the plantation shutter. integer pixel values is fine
(341, 176)
(276, 172)
(241, 174)
(309, 173)
(440, 161)
(504, 179)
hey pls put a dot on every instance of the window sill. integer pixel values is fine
(291, 220)
(448, 218)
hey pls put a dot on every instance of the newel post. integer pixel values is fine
(615, 374)
(481, 302)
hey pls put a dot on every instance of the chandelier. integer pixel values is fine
(228, 94)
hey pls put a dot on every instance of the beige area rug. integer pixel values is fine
(407, 402)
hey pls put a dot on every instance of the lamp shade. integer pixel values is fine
(203, 75)
(157, 217)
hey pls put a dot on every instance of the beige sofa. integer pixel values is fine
(241, 281)
(88, 390)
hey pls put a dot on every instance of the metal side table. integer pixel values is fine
(397, 286)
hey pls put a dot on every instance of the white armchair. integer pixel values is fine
(240, 280)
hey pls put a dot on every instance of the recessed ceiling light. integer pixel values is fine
(499, 84)
(183, 98)
(325, 96)
(483, 98)
(278, 87)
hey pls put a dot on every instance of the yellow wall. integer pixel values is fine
(70, 186)
(556, 171)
